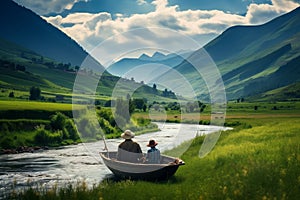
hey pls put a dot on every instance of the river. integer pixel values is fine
(76, 163)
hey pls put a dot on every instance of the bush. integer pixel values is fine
(6, 143)
(70, 127)
(11, 94)
(87, 128)
(58, 121)
(44, 137)
(41, 136)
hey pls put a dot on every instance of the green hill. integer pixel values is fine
(286, 93)
(254, 59)
(20, 69)
(25, 28)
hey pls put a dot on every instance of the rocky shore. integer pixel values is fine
(23, 149)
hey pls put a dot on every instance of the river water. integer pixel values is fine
(76, 163)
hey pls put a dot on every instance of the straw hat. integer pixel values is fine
(127, 134)
(152, 143)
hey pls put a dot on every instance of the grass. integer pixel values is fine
(259, 161)
(35, 105)
(234, 110)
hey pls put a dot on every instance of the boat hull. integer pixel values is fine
(126, 170)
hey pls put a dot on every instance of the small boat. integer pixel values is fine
(143, 171)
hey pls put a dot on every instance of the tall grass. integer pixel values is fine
(31, 105)
(258, 162)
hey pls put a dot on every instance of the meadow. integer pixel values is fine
(258, 159)
(36, 123)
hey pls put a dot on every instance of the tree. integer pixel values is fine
(20, 68)
(42, 59)
(144, 107)
(57, 121)
(34, 93)
(139, 103)
(131, 106)
(122, 109)
(11, 94)
(154, 87)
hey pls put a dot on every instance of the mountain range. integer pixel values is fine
(252, 60)
(124, 65)
(255, 59)
(35, 53)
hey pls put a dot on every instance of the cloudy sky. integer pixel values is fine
(114, 28)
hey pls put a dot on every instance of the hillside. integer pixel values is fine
(21, 68)
(23, 27)
(286, 93)
(239, 42)
(255, 59)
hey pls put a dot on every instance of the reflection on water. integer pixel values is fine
(76, 163)
(25, 164)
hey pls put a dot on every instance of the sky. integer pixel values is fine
(111, 29)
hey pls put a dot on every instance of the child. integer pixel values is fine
(153, 154)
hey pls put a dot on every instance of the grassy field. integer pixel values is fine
(34, 105)
(258, 159)
(234, 111)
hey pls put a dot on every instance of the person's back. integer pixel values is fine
(153, 154)
(129, 151)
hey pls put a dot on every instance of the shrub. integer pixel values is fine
(6, 143)
(87, 128)
(11, 94)
(70, 127)
(41, 136)
(58, 121)
(44, 137)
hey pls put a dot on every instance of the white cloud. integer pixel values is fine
(160, 4)
(89, 30)
(45, 7)
(141, 2)
(261, 13)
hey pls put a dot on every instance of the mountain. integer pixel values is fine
(155, 57)
(124, 65)
(254, 59)
(23, 27)
(21, 68)
(238, 42)
(35, 53)
(286, 93)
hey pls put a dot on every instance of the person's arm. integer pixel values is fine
(139, 150)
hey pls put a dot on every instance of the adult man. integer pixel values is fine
(129, 151)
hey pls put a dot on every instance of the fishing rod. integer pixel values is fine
(105, 145)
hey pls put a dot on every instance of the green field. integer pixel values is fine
(29, 105)
(259, 159)
(23, 123)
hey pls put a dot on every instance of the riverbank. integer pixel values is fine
(23, 149)
(61, 166)
(258, 161)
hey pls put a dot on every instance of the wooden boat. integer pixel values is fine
(144, 171)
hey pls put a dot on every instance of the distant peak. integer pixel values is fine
(155, 57)
(144, 57)
(158, 55)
